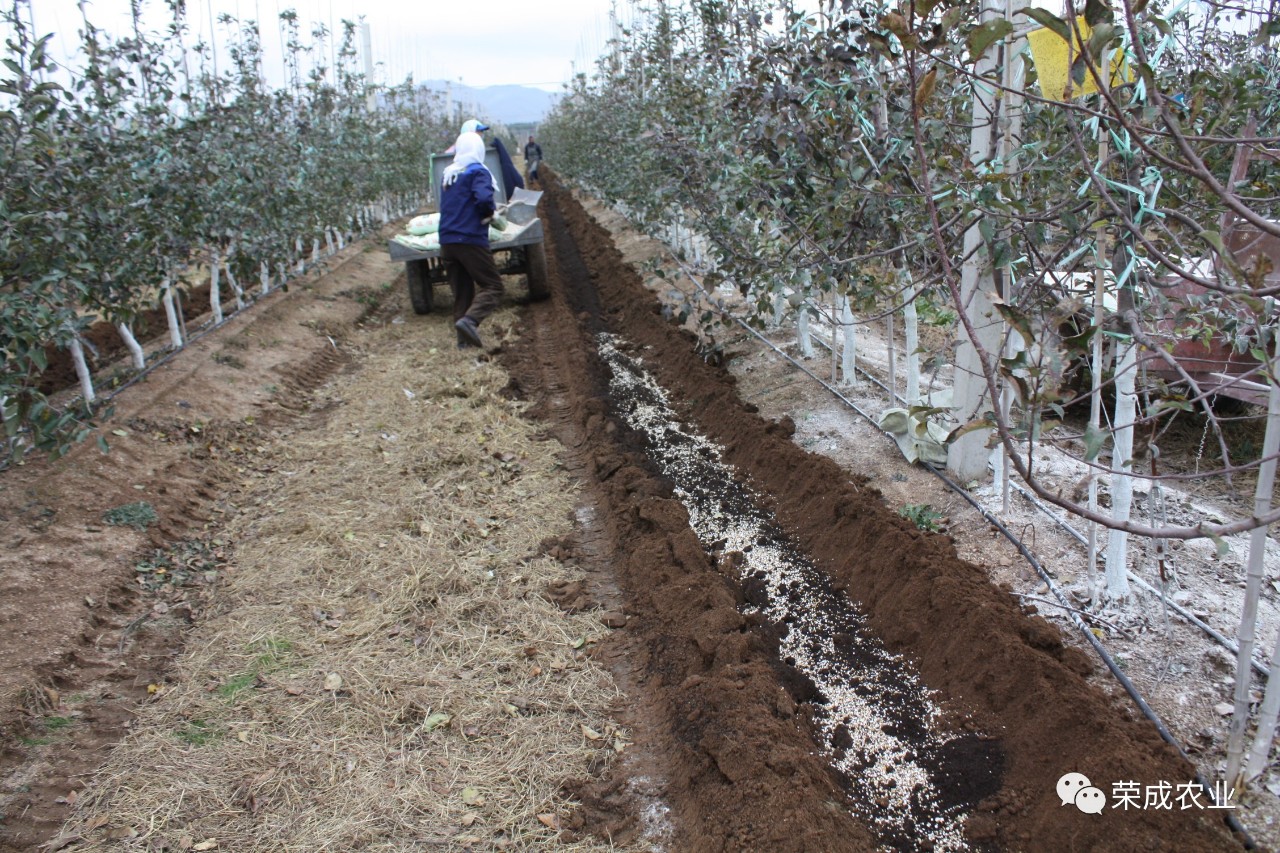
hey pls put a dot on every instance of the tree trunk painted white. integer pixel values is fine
(800, 300)
(849, 360)
(328, 239)
(315, 250)
(835, 343)
(779, 308)
(1117, 588)
(215, 290)
(297, 250)
(891, 350)
(235, 285)
(967, 456)
(911, 331)
(181, 312)
(264, 277)
(1260, 753)
(136, 354)
(82, 370)
(1254, 575)
(1001, 467)
(1095, 390)
(171, 315)
(803, 337)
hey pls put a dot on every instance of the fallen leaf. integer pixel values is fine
(549, 820)
(511, 709)
(435, 721)
(207, 844)
(333, 681)
(96, 821)
(294, 690)
(472, 797)
(580, 642)
(536, 671)
(153, 689)
(119, 432)
(186, 842)
(590, 733)
(468, 819)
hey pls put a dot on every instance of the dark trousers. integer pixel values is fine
(471, 267)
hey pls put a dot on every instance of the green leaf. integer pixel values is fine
(983, 36)
(971, 426)
(1094, 438)
(1099, 39)
(924, 7)
(1079, 70)
(435, 721)
(1096, 12)
(1018, 320)
(1045, 18)
(1214, 239)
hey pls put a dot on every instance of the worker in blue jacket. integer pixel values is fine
(466, 208)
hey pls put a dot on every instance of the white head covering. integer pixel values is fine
(467, 151)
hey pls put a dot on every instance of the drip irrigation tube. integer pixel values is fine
(1110, 662)
(1222, 640)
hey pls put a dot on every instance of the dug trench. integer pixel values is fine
(750, 739)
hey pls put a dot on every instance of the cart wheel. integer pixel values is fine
(536, 258)
(420, 287)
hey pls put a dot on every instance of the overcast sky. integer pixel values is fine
(480, 42)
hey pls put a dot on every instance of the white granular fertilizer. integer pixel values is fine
(878, 725)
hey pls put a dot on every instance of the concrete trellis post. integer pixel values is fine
(967, 456)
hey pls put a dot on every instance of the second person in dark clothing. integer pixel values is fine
(532, 158)
(466, 208)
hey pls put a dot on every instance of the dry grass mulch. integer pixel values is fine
(379, 669)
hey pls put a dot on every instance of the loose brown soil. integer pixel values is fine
(972, 645)
(725, 753)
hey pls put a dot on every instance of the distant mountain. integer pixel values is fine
(508, 104)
